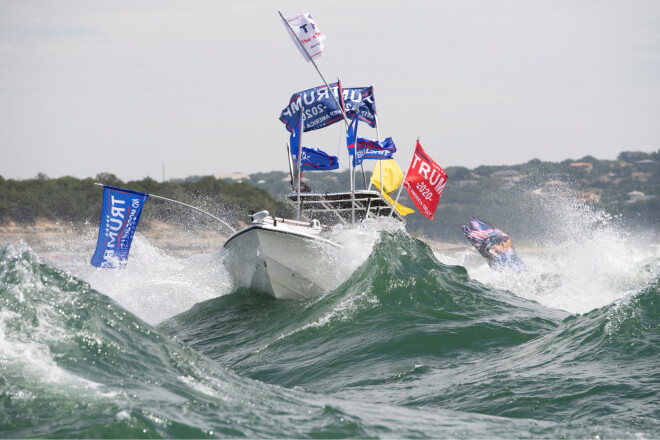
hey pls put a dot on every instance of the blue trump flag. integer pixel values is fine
(315, 159)
(368, 149)
(119, 219)
(294, 139)
(351, 140)
(319, 109)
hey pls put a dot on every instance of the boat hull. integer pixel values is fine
(280, 262)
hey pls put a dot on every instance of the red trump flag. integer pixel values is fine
(425, 181)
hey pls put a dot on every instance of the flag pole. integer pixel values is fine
(364, 176)
(351, 165)
(183, 204)
(352, 168)
(315, 66)
(380, 162)
(300, 147)
(288, 155)
(396, 201)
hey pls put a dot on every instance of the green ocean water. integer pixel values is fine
(411, 344)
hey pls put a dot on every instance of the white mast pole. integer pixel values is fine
(380, 162)
(300, 147)
(288, 154)
(352, 168)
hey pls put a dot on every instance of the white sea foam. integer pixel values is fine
(357, 244)
(25, 355)
(155, 286)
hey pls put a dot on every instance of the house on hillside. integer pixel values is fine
(638, 196)
(508, 175)
(236, 177)
(638, 175)
(584, 165)
(557, 187)
(558, 176)
(587, 197)
(554, 187)
(644, 162)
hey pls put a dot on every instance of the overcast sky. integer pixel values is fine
(127, 86)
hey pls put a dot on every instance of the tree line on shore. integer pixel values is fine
(69, 199)
(525, 200)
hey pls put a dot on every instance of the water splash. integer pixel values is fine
(154, 285)
(582, 260)
(357, 244)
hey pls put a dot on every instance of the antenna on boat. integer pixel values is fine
(396, 201)
(288, 151)
(380, 162)
(300, 147)
(186, 205)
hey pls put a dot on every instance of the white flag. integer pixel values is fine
(307, 34)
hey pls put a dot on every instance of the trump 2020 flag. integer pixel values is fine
(425, 181)
(315, 159)
(119, 219)
(309, 40)
(320, 108)
(369, 149)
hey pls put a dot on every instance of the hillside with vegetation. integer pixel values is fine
(524, 199)
(68, 199)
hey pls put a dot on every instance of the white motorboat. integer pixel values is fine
(282, 257)
(277, 256)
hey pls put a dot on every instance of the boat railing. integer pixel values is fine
(314, 224)
(333, 208)
(263, 217)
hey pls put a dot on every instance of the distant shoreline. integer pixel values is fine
(49, 236)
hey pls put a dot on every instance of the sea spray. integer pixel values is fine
(357, 243)
(578, 259)
(155, 285)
